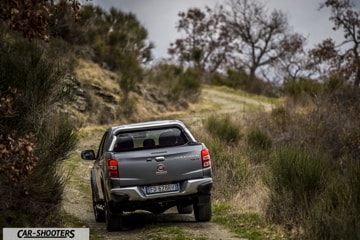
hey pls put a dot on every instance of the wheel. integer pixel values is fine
(113, 221)
(98, 212)
(202, 212)
(185, 209)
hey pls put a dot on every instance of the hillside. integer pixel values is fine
(98, 96)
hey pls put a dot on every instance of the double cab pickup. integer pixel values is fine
(151, 166)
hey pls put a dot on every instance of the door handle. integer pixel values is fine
(159, 159)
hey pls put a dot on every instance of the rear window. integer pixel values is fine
(147, 139)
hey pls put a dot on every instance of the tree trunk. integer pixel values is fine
(357, 78)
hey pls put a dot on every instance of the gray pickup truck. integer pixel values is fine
(150, 166)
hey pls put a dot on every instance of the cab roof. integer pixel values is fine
(148, 124)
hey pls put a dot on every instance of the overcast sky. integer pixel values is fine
(160, 17)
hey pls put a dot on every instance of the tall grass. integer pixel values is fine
(337, 213)
(297, 177)
(231, 169)
(223, 128)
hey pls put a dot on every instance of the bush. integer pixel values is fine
(176, 83)
(233, 79)
(38, 80)
(57, 140)
(298, 89)
(258, 139)
(187, 86)
(333, 83)
(127, 108)
(223, 128)
(260, 145)
(297, 177)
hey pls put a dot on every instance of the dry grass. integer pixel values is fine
(91, 73)
(251, 198)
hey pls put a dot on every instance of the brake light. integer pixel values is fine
(113, 168)
(205, 158)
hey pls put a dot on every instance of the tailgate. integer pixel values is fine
(158, 166)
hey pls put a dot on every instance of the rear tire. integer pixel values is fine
(203, 212)
(98, 213)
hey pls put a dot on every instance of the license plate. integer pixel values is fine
(174, 187)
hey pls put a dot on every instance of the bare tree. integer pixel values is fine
(261, 39)
(344, 58)
(294, 63)
(206, 43)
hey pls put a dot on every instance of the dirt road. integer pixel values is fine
(229, 102)
(140, 225)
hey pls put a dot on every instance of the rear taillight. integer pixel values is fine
(205, 158)
(113, 168)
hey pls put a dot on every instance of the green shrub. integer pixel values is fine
(164, 75)
(176, 83)
(298, 88)
(258, 139)
(333, 83)
(233, 79)
(188, 85)
(46, 184)
(260, 145)
(297, 177)
(223, 128)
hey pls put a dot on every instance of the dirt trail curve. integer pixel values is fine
(77, 202)
(232, 102)
(226, 102)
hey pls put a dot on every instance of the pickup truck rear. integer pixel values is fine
(150, 166)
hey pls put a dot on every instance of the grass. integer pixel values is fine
(171, 233)
(77, 171)
(70, 221)
(248, 225)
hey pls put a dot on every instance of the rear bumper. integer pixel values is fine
(190, 187)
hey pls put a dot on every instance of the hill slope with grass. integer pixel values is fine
(98, 99)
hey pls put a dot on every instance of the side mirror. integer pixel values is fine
(88, 155)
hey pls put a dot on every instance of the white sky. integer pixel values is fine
(160, 17)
